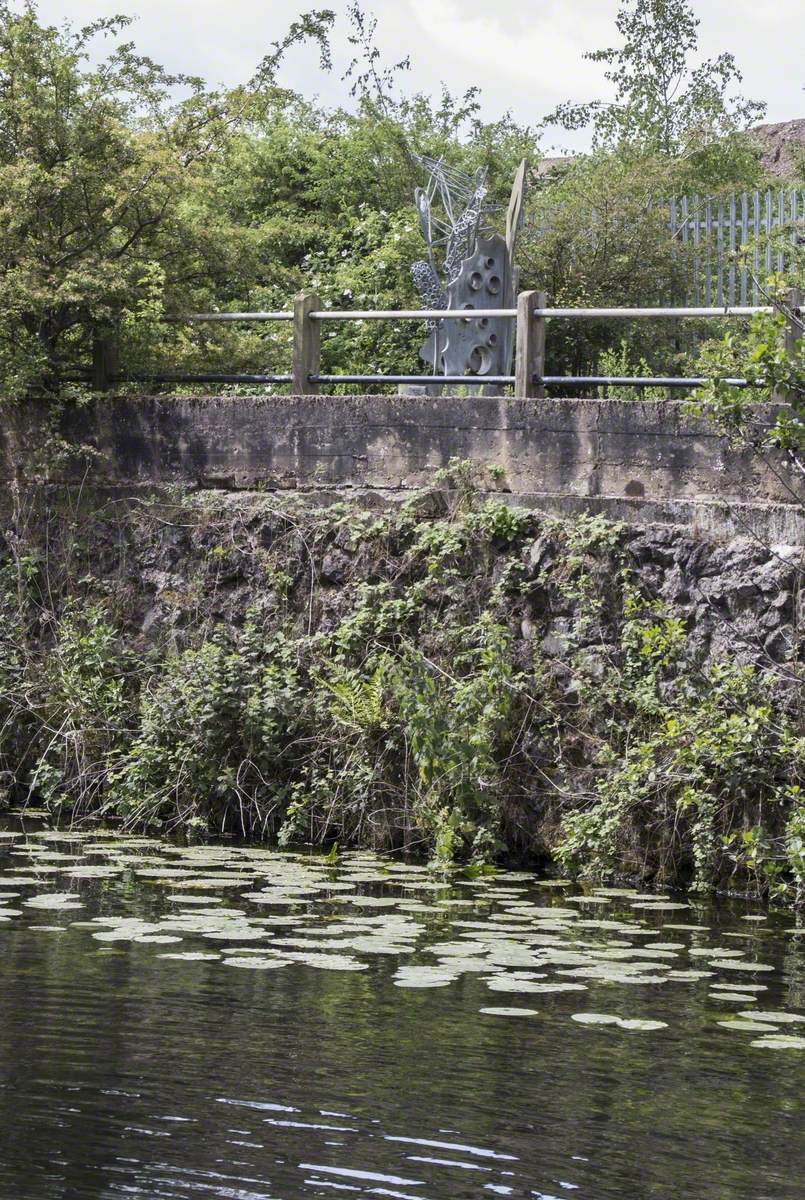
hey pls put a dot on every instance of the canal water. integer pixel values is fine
(224, 1021)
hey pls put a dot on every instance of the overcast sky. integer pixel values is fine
(526, 55)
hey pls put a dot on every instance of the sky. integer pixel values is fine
(526, 55)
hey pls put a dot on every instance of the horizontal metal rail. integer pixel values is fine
(645, 381)
(412, 314)
(457, 314)
(429, 380)
(664, 313)
(232, 316)
(641, 381)
(460, 314)
(208, 377)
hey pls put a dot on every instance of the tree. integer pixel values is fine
(663, 104)
(106, 214)
(600, 228)
(328, 196)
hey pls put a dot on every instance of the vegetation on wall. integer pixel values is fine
(770, 355)
(454, 676)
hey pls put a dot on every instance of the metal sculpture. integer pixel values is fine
(476, 270)
(475, 345)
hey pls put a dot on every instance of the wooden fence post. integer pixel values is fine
(530, 346)
(306, 344)
(793, 328)
(793, 333)
(104, 360)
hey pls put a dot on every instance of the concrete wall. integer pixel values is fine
(639, 461)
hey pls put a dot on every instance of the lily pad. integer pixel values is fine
(51, 900)
(510, 1012)
(328, 962)
(508, 983)
(728, 964)
(714, 952)
(191, 956)
(256, 964)
(748, 1026)
(776, 1018)
(780, 1041)
(434, 982)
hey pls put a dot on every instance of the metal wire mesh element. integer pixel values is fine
(450, 209)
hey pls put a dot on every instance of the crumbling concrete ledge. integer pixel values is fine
(643, 462)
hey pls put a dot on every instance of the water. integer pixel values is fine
(124, 1072)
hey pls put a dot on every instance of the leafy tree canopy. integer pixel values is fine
(105, 204)
(664, 103)
(128, 194)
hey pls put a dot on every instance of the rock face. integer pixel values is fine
(204, 556)
(736, 599)
(213, 556)
(740, 598)
(609, 634)
(782, 144)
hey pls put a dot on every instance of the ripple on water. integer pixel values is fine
(399, 966)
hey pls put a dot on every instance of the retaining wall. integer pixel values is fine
(644, 462)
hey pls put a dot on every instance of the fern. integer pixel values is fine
(358, 702)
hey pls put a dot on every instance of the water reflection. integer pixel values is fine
(224, 1021)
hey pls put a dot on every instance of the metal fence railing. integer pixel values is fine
(532, 316)
(736, 241)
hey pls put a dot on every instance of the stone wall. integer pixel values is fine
(172, 576)
(649, 463)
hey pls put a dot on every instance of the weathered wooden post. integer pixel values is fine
(530, 346)
(306, 343)
(793, 333)
(104, 360)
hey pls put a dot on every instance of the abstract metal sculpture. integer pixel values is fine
(476, 270)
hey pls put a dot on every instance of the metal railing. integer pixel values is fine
(531, 315)
(736, 241)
